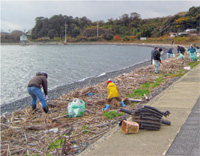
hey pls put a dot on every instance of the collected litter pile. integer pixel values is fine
(57, 133)
(148, 117)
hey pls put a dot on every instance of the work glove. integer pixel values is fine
(46, 97)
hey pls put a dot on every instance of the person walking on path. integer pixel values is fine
(192, 50)
(34, 89)
(170, 53)
(113, 94)
(172, 42)
(154, 50)
(157, 59)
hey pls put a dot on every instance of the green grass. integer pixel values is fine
(193, 64)
(155, 84)
(138, 93)
(112, 114)
(86, 129)
(145, 88)
(145, 85)
(56, 144)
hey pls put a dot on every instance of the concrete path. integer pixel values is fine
(180, 99)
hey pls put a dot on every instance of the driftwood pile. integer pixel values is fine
(36, 132)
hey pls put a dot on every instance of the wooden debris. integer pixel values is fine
(23, 131)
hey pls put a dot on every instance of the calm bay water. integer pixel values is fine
(64, 64)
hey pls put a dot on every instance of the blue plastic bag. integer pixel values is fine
(76, 108)
(181, 56)
(193, 56)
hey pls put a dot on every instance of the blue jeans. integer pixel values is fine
(37, 93)
(157, 65)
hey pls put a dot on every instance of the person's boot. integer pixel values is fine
(46, 109)
(107, 107)
(33, 107)
(122, 103)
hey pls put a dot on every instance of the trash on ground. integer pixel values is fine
(148, 117)
(187, 68)
(17, 138)
(181, 56)
(129, 127)
(134, 100)
(76, 108)
(90, 94)
(55, 130)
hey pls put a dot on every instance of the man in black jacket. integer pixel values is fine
(34, 89)
(180, 49)
(157, 59)
(154, 50)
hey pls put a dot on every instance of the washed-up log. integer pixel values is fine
(108, 123)
(42, 127)
(148, 117)
(12, 127)
(134, 100)
(97, 135)
(59, 117)
(17, 151)
(90, 111)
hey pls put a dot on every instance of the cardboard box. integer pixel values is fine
(129, 127)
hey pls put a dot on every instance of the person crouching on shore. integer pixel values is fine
(170, 53)
(113, 94)
(157, 59)
(34, 89)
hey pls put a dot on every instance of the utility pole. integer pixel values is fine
(160, 31)
(97, 29)
(65, 33)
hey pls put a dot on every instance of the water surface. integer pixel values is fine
(64, 64)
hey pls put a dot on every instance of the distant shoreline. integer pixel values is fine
(64, 89)
(86, 43)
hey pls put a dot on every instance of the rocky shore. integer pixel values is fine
(59, 91)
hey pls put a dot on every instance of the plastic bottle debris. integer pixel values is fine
(187, 68)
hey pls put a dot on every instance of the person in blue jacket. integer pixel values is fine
(192, 50)
(154, 50)
(170, 53)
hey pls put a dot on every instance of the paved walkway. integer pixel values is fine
(182, 99)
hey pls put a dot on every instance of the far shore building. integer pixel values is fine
(183, 34)
(23, 38)
(191, 31)
(172, 34)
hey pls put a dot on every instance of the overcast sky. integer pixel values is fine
(20, 15)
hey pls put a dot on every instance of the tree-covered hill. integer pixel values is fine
(126, 27)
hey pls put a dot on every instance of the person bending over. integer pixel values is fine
(112, 94)
(34, 89)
